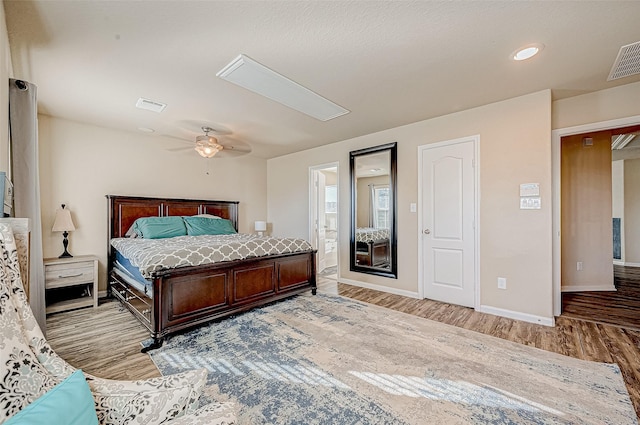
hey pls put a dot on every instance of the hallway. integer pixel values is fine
(621, 308)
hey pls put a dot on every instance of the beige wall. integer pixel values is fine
(632, 211)
(515, 148)
(331, 178)
(604, 105)
(5, 73)
(80, 164)
(363, 200)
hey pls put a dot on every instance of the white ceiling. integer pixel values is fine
(389, 62)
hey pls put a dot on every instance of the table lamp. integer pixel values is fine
(64, 224)
(261, 227)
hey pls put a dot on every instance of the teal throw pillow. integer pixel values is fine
(198, 226)
(160, 227)
(68, 403)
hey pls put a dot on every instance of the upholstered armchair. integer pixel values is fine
(29, 369)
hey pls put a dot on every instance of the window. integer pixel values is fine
(381, 206)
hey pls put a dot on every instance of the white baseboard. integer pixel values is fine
(622, 263)
(380, 288)
(587, 288)
(525, 317)
(102, 294)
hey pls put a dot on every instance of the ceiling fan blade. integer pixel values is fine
(180, 149)
(240, 150)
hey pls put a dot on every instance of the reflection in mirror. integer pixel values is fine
(373, 210)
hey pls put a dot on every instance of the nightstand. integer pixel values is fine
(71, 282)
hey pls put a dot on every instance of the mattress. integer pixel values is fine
(131, 274)
(369, 234)
(152, 255)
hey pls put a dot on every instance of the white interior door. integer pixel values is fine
(321, 221)
(448, 210)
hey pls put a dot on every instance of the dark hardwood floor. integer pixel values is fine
(106, 341)
(621, 307)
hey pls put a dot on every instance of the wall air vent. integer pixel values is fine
(150, 105)
(627, 63)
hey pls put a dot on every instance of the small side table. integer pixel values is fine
(79, 278)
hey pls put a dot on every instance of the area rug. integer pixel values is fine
(332, 360)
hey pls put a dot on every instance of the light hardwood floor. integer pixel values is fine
(106, 341)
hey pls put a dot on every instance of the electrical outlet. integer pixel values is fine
(579, 266)
(502, 283)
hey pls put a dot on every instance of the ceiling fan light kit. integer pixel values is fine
(207, 146)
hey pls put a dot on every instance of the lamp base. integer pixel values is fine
(65, 243)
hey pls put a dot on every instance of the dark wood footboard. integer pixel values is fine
(373, 253)
(190, 296)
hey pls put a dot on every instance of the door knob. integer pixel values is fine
(426, 231)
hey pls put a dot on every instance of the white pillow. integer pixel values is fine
(206, 215)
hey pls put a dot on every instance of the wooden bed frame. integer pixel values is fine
(188, 296)
(373, 253)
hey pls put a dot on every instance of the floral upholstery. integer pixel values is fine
(29, 368)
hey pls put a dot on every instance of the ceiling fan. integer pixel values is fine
(209, 146)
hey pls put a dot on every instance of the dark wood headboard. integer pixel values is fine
(124, 210)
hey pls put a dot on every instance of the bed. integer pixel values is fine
(168, 300)
(372, 247)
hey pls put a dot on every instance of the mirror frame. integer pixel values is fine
(393, 151)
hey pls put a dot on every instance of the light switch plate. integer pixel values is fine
(530, 189)
(412, 207)
(530, 203)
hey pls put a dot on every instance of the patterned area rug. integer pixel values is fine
(331, 360)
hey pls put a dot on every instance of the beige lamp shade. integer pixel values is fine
(63, 222)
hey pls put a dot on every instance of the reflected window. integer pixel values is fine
(331, 199)
(380, 206)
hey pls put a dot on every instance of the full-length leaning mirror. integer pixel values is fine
(373, 210)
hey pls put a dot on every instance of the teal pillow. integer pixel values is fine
(198, 226)
(160, 227)
(68, 403)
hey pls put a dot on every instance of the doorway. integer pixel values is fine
(592, 280)
(323, 217)
(448, 213)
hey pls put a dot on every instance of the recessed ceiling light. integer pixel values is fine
(527, 52)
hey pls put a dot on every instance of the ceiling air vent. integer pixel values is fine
(627, 63)
(150, 105)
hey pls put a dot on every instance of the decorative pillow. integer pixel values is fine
(198, 226)
(160, 227)
(68, 403)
